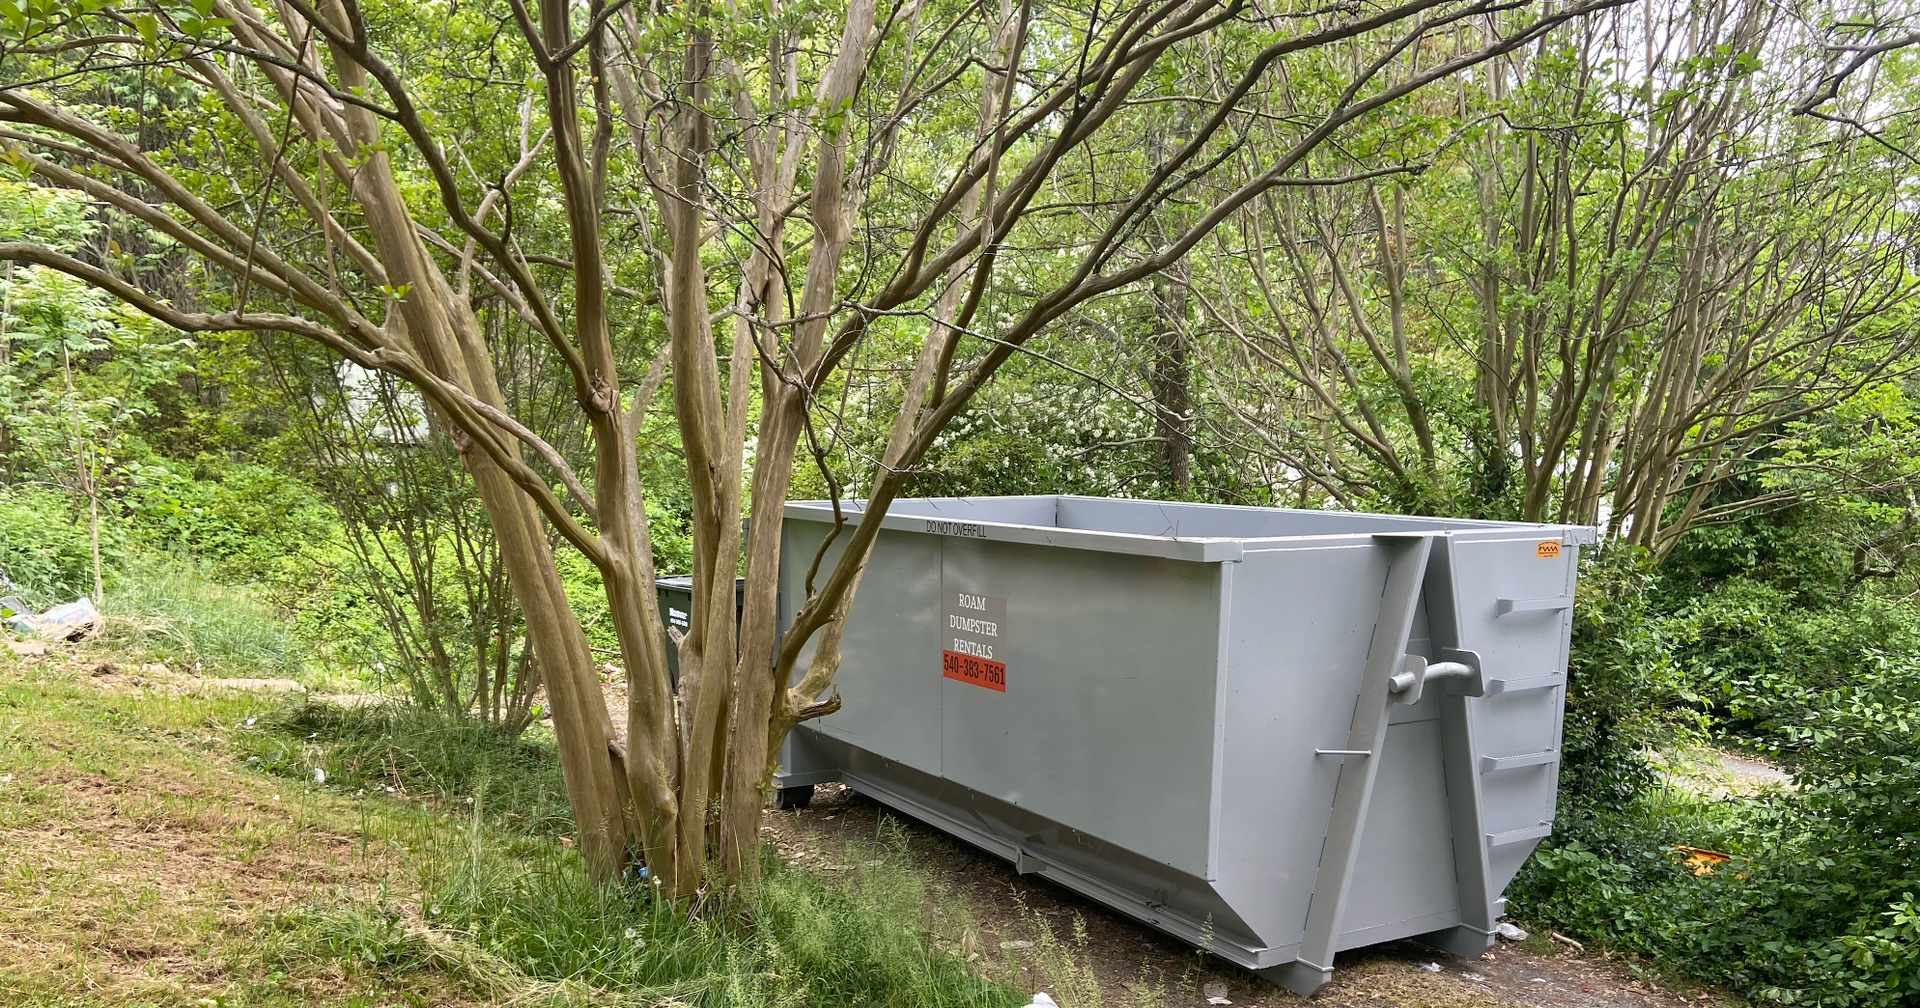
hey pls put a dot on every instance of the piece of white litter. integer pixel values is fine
(1510, 931)
(1215, 992)
(1538, 980)
(1475, 977)
(276, 797)
(1430, 967)
(319, 775)
(6, 778)
(1041, 1000)
(1017, 945)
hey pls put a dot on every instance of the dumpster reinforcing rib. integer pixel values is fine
(1273, 733)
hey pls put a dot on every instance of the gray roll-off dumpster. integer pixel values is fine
(1277, 734)
(674, 594)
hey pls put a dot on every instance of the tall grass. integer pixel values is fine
(501, 904)
(519, 922)
(414, 753)
(163, 608)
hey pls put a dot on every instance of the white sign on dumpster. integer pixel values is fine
(973, 647)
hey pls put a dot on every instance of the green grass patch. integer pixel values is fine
(162, 609)
(164, 860)
(520, 922)
(402, 751)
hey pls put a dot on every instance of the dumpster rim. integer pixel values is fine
(1200, 549)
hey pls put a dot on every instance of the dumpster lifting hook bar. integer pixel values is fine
(1414, 673)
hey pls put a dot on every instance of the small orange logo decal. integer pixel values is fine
(1547, 549)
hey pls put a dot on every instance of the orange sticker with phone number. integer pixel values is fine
(978, 671)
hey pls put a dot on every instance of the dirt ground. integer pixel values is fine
(1125, 956)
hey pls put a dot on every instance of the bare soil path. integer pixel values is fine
(1131, 963)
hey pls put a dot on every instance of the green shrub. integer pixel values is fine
(1815, 909)
(1623, 691)
(1759, 659)
(245, 520)
(44, 547)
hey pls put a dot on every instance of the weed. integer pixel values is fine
(159, 608)
(522, 922)
(1063, 961)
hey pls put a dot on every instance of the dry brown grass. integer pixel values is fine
(139, 862)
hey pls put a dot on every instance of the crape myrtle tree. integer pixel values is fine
(734, 198)
(1643, 269)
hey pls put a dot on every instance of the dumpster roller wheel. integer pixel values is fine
(793, 797)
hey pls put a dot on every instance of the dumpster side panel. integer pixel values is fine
(889, 676)
(1149, 890)
(1407, 884)
(1106, 722)
(1514, 599)
(1301, 622)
